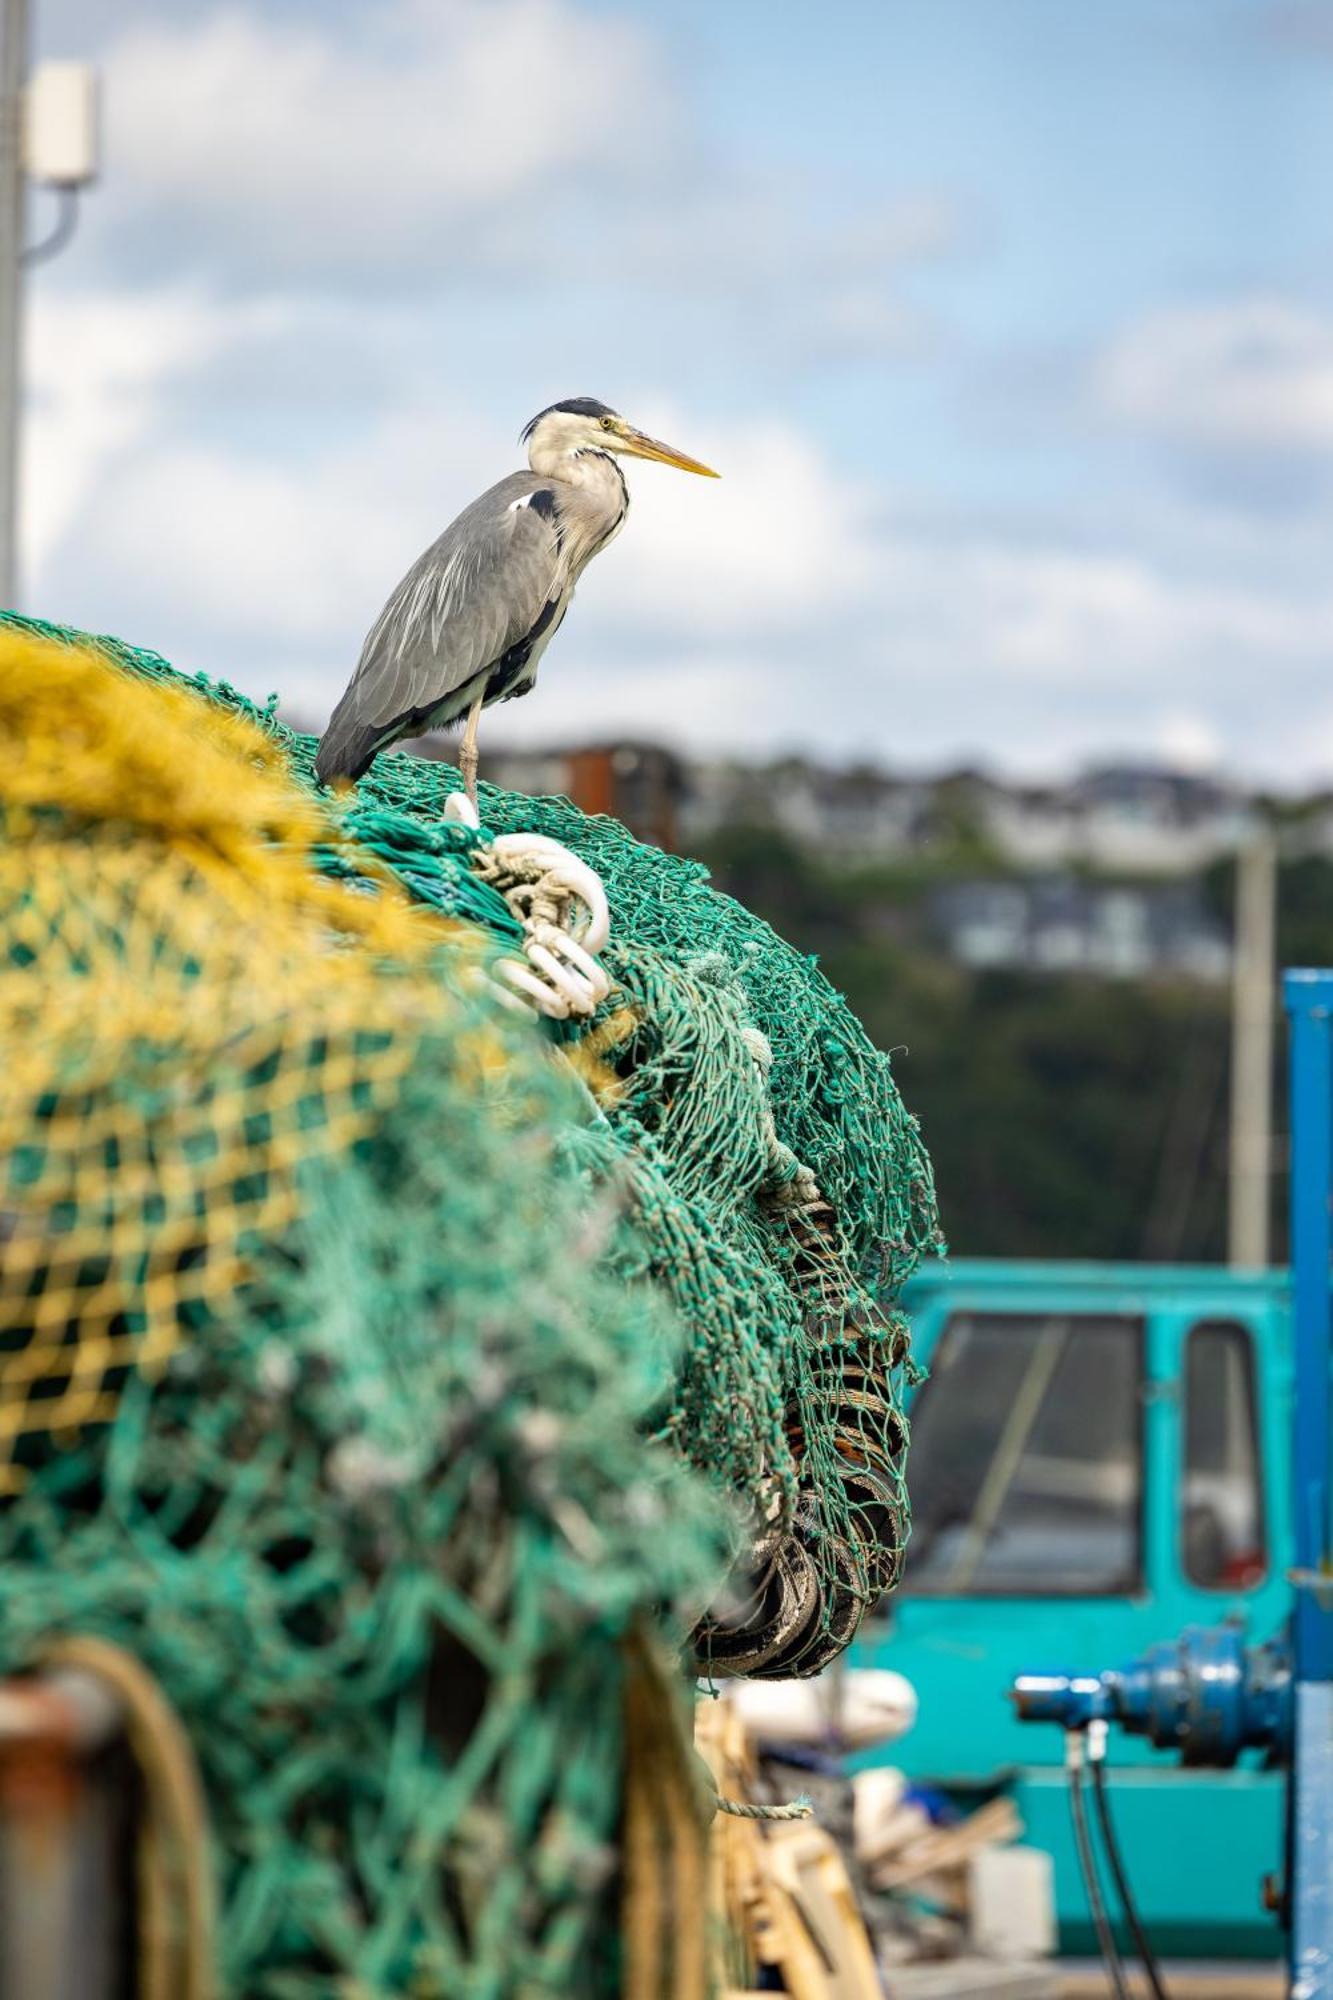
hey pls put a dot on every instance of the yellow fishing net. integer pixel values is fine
(187, 1013)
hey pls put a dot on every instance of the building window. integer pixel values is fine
(1026, 1460)
(1222, 1514)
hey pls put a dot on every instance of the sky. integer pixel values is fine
(1008, 323)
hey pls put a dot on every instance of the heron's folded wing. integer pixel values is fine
(476, 592)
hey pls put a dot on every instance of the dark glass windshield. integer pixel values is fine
(1026, 1461)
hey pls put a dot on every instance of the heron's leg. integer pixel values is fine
(467, 751)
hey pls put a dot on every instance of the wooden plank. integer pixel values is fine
(945, 1847)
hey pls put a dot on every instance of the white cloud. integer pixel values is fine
(301, 145)
(781, 537)
(436, 148)
(299, 555)
(1188, 741)
(161, 457)
(785, 604)
(1251, 374)
(1052, 614)
(97, 368)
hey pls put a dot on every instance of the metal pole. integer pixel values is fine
(1253, 984)
(13, 63)
(1309, 998)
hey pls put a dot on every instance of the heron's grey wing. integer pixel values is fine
(475, 592)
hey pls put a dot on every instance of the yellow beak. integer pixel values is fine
(635, 445)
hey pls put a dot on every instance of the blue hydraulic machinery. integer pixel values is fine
(1208, 1694)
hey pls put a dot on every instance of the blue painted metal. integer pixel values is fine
(1309, 1001)
(1206, 1695)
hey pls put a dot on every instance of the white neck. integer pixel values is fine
(592, 470)
(581, 463)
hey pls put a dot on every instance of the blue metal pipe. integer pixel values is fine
(1206, 1695)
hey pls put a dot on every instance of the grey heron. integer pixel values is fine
(474, 614)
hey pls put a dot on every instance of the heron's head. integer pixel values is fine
(581, 423)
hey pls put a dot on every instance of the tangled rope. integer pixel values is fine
(561, 910)
(788, 1186)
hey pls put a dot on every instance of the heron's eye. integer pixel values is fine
(608, 423)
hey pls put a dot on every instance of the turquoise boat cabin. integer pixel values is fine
(1099, 1458)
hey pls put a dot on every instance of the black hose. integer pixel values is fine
(1102, 1800)
(1106, 1943)
(67, 221)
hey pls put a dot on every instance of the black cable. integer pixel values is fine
(1102, 1800)
(67, 221)
(1106, 1943)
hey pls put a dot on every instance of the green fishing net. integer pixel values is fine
(373, 1361)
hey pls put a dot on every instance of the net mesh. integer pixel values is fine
(370, 1373)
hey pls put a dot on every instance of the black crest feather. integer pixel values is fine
(577, 406)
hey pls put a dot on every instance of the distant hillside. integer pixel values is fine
(1069, 1114)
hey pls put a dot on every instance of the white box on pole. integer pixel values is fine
(60, 124)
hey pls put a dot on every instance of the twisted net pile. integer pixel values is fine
(324, 1389)
(372, 1374)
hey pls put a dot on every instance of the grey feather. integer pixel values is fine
(475, 593)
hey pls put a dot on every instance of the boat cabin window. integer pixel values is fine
(1026, 1462)
(1222, 1518)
